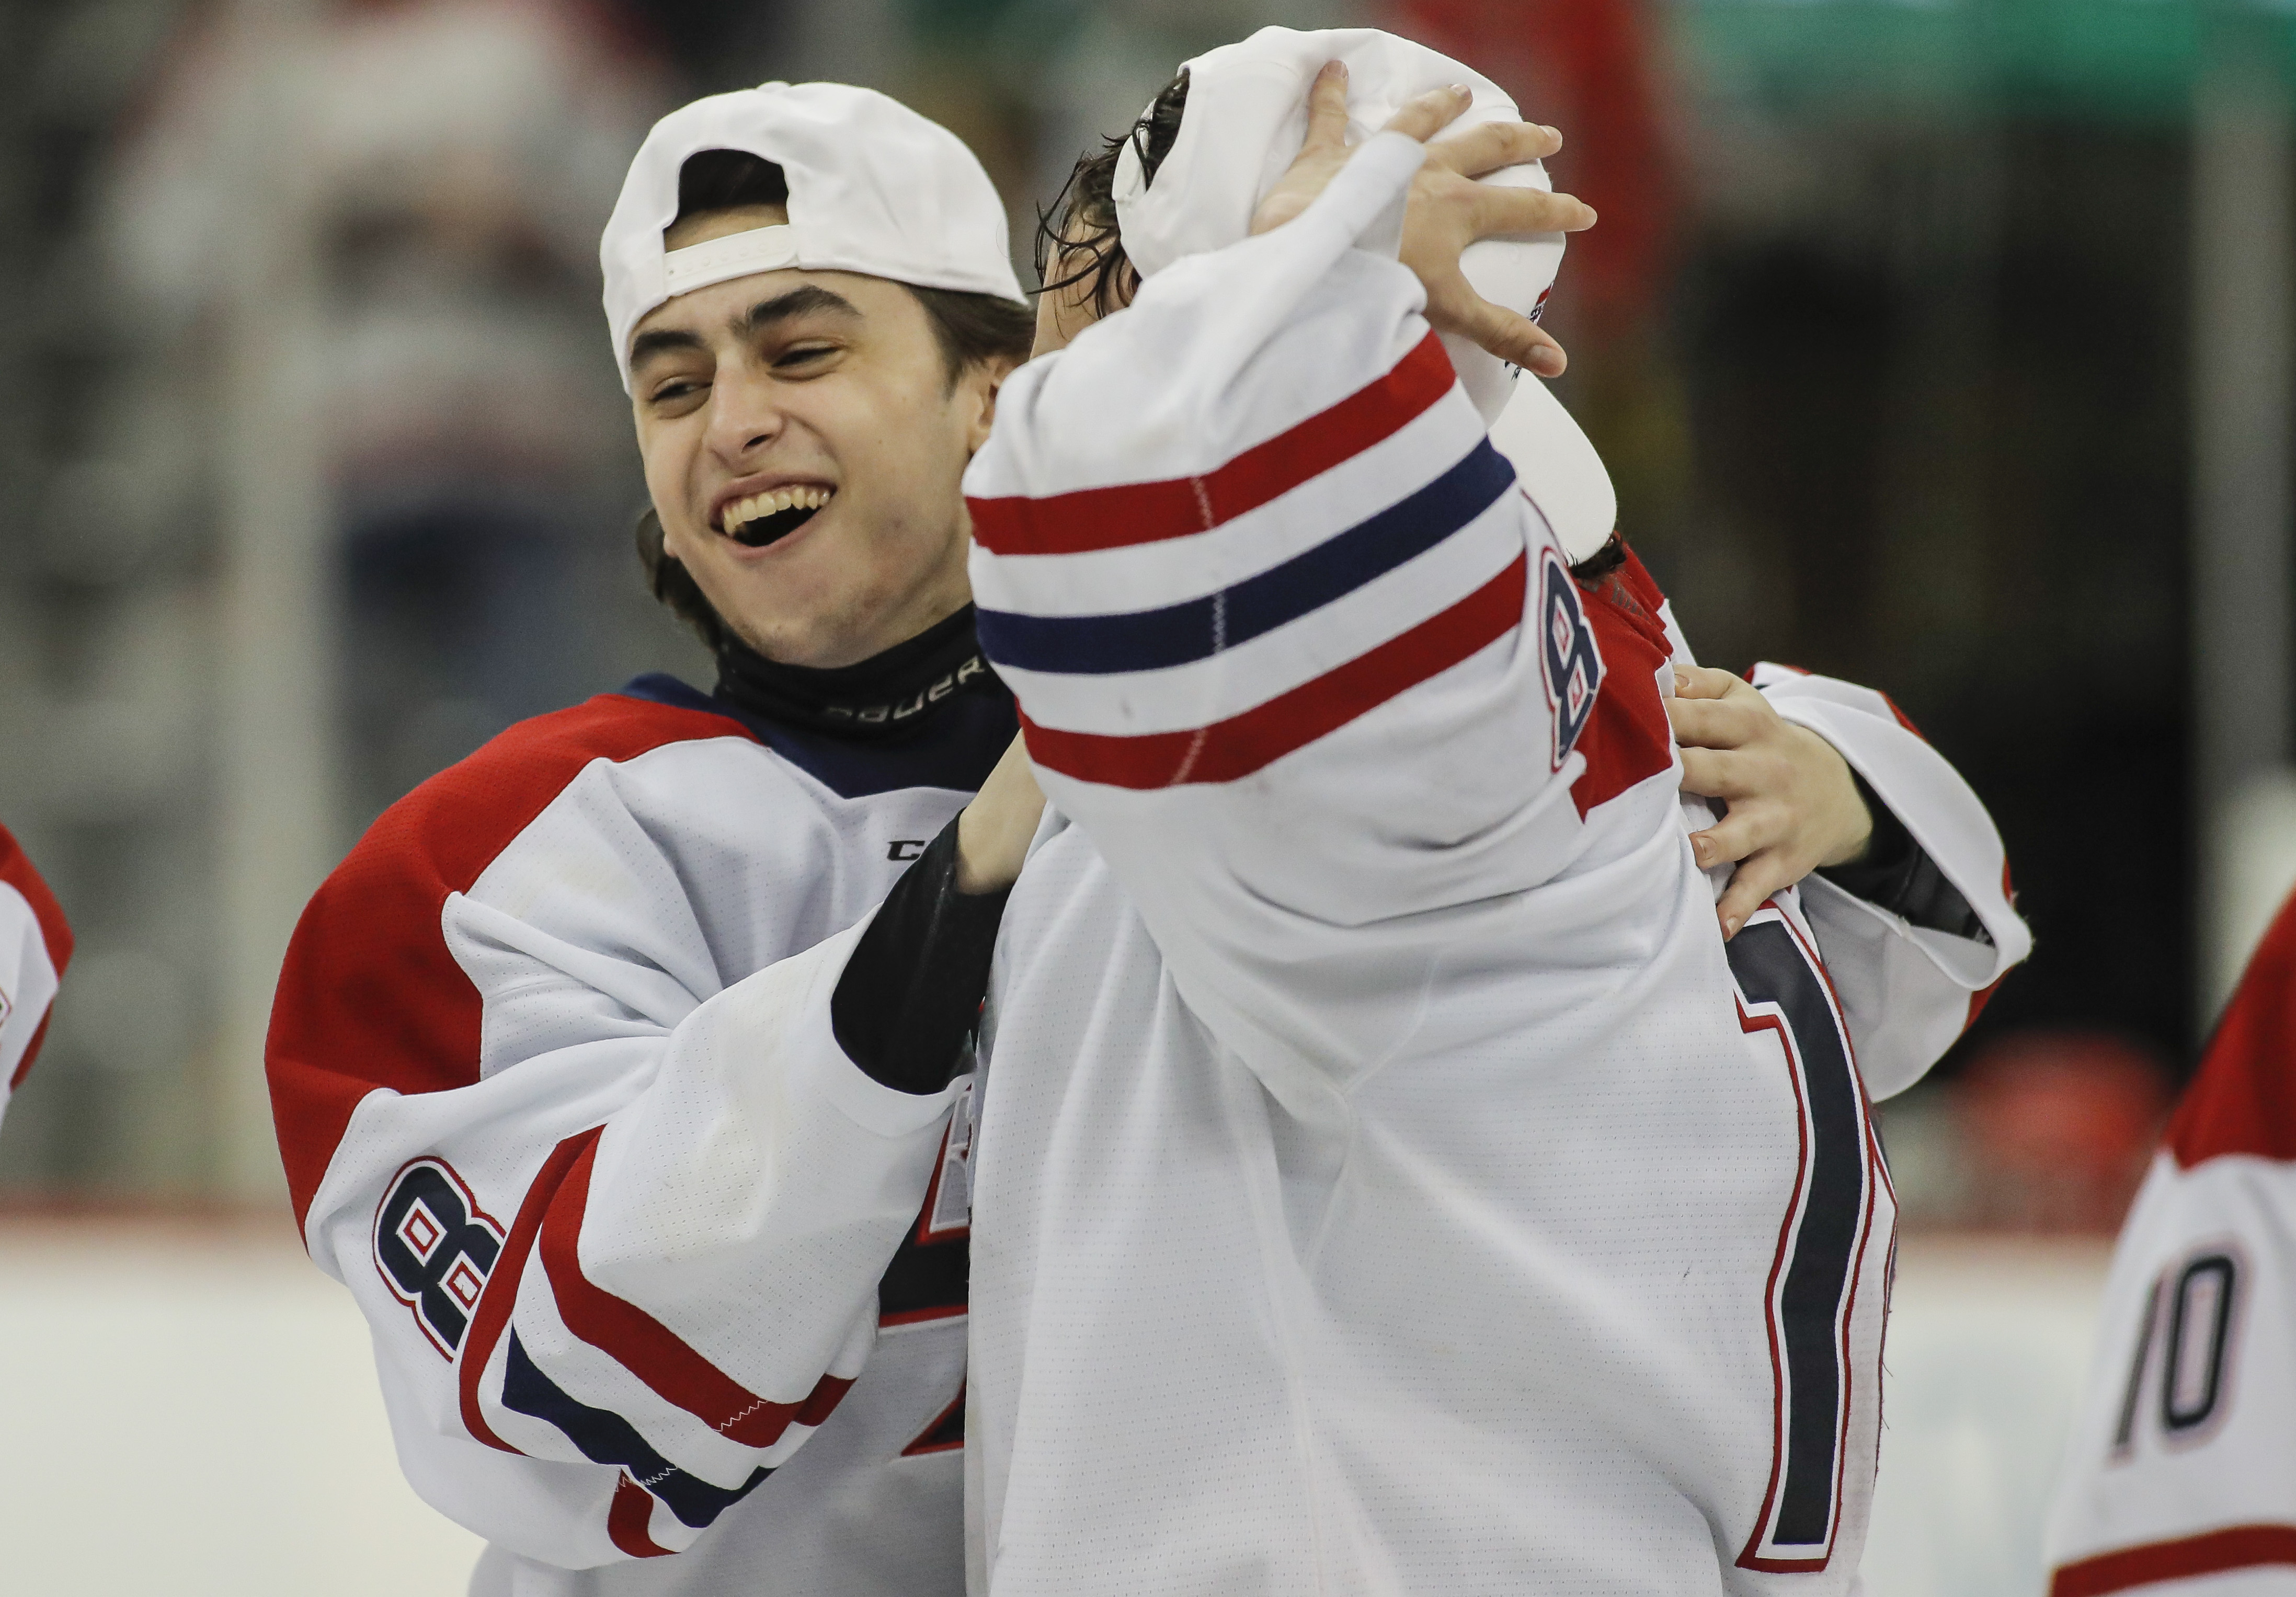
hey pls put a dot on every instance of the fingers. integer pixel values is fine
(1430, 114)
(1508, 334)
(1327, 107)
(1753, 881)
(1714, 722)
(1501, 212)
(1492, 146)
(1739, 775)
(1705, 682)
(1747, 830)
(1547, 358)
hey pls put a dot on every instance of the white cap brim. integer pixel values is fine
(1558, 468)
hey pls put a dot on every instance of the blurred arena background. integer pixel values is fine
(1942, 344)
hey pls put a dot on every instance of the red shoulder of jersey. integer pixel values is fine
(1627, 739)
(16, 871)
(2243, 1099)
(369, 996)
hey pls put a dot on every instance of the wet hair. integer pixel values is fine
(971, 329)
(1079, 225)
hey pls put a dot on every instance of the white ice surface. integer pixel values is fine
(190, 1408)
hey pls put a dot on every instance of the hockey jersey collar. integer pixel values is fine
(955, 748)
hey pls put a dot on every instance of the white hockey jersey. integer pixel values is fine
(559, 1103)
(34, 946)
(1386, 1182)
(2180, 1475)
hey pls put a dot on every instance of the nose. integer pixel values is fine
(745, 413)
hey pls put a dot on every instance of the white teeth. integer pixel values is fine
(797, 497)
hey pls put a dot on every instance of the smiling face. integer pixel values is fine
(804, 445)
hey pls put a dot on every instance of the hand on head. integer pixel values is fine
(1448, 209)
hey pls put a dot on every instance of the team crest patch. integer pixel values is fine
(1570, 662)
(435, 1248)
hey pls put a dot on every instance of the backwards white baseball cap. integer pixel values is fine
(873, 187)
(1245, 120)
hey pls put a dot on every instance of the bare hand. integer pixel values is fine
(1447, 210)
(1794, 806)
(994, 832)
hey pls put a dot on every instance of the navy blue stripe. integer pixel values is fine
(1771, 968)
(1146, 640)
(607, 1438)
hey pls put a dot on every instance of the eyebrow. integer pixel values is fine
(806, 300)
(661, 341)
(802, 301)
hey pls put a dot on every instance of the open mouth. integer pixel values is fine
(769, 517)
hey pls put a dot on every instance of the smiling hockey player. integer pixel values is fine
(614, 1069)
(1387, 1180)
(559, 1086)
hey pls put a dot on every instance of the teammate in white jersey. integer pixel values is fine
(34, 946)
(562, 1089)
(608, 1076)
(1385, 1181)
(2180, 1476)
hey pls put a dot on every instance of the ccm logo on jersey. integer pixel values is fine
(435, 1248)
(1570, 664)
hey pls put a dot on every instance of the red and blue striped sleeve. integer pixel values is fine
(618, 1219)
(1290, 642)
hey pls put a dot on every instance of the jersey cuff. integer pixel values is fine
(907, 1005)
(1897, 874)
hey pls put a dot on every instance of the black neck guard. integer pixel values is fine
(882, 699)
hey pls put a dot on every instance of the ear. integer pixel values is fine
(983, 383)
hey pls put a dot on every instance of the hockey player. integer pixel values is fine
(2179, 1476)
(614, 1068)
(559, 1086)
(35, 944)
(1386, 1181)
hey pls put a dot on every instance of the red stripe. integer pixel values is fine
(1979, 999)
(629, 1520)
(946, 1434)
(1147, 512)
(1627, 739)
(2243, 1098)
(369, 995)
(2241, 1547)
(501, 1294)
(649, 1349)
(918, 1316)
(1236, 747)
(1905, 721)
(55, 932)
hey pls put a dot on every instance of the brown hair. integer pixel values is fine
(971, 329)
(1081, 220)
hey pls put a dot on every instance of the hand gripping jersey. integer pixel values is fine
(2180, 1476)
(1386, 1181)
(34, 946)
(560, 1103)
